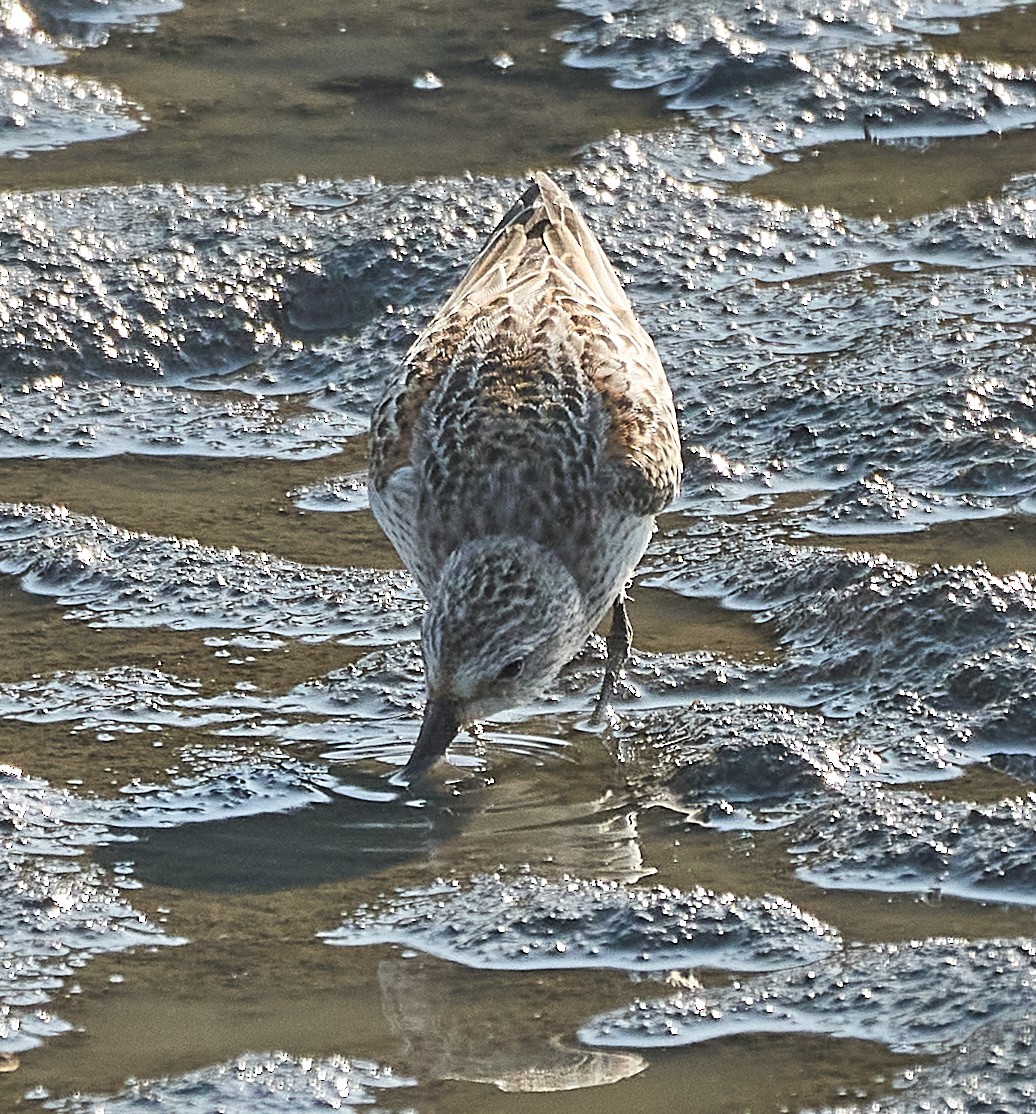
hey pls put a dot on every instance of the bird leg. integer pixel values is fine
(618, 641)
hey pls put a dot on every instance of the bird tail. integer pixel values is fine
(543, 231)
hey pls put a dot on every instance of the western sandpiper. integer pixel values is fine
(518, 460)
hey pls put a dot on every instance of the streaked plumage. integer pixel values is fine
(517, 461)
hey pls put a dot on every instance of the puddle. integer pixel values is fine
(1004, 544)
(275, 829)
(220, 503)
(898, 180)
(258, 93)
(666, 622)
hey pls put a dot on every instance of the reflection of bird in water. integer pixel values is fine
(492, 1027)
(518, 459)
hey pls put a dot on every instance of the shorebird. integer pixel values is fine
(518, 460)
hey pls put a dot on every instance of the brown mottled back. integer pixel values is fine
(534, 377)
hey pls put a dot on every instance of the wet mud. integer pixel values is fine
(796, 872)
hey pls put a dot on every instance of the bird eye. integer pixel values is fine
(511, 670)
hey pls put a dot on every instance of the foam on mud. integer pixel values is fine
(528, 922)
(56, 910)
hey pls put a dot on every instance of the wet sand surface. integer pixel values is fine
(797, 873)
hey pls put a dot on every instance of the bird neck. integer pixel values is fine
(501, 576)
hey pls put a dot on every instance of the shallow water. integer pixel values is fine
(797, 872)
(255, 92)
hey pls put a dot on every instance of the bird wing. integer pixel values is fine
(542, 271)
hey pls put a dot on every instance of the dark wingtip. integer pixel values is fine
(438, 728)
(542, 188)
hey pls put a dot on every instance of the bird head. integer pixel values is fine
(505, 616)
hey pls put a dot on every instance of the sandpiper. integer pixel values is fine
(518, 460)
